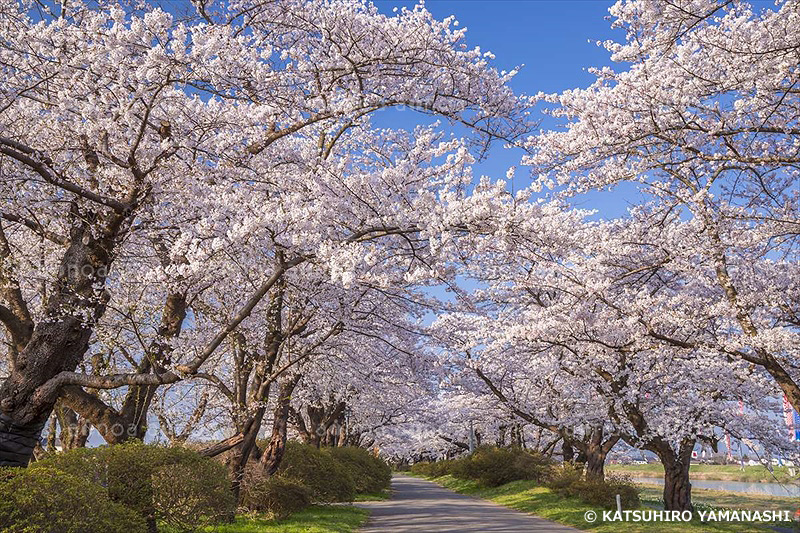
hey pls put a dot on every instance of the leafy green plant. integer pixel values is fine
(45, 498)
(192, 491)
(433, 469)
(173, 485)
(567, 480)
(328, 480)
(492, 467)
(562, 476)
(369, 473)
(278, 496)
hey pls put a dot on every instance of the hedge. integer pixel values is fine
(174, 485)
(45, 498)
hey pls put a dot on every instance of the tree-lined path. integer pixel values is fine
(419, 505)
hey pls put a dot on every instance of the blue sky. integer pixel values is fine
(555, 42)
(550, 37)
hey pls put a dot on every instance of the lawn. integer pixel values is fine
(731, 500)
(315, 519)
(750, 474)
(528, 497)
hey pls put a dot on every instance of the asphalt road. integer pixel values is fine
(419, 505)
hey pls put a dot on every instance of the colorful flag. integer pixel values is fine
(792, 419)
(728, 446)
(797, 426)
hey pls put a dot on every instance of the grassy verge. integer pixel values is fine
(373, 496)
(750, 474)
(315, 519)
(730, 500)
(528, 497)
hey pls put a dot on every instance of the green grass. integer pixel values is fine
(315, 519)
(750, 474)
(730, 500)
(526, 496)
(373, 496)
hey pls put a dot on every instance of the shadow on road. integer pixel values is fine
(419, 505)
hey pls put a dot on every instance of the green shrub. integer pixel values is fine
(328, 480)
(47, 499)
(568, 481)
(192, 491)
(434, 469)
(369, 473)
(279, 496)
(603, 493)
(613, 485)
(492, 467)
(174, 485)
(532, 466)
(561, 477)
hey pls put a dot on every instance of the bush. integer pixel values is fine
(369, 473)
(47, 499)
(568, 481)
(174, 485)
(328, 480)
(433, 470)
(279, 496)
(191, 491)
(562, 477)
(492, 467)
(625, 487)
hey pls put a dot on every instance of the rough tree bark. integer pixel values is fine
(59, 342)
(273, 453)
(74, 429)
(677, 488)
(320, 419)
(594, 449)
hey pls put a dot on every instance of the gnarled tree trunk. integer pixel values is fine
(74, 430)
(58, 342)
(677, 488)
(273, 453)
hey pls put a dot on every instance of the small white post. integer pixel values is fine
(619, 503)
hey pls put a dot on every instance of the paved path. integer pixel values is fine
(419, 505)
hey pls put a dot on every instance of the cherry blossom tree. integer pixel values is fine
(703, 116)
(563, 332)
(144, 159)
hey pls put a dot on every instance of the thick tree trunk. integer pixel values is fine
(595, 451)
(74, 430)
(60, 341)
(320, 420)
(567, 451)
(501, 436)
(273, 453)
(18, 440)
(677, 488)
(595, 466)
(54, 347)
(238, 460)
